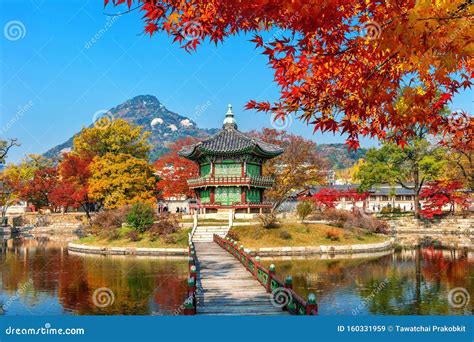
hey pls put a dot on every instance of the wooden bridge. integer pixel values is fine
(227, 280)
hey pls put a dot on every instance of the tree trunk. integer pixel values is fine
(416, 186)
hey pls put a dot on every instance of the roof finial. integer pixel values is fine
(229, 121)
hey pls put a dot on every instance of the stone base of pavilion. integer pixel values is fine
(247, 210)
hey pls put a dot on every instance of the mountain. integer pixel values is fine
(339, 156)
(145, 110)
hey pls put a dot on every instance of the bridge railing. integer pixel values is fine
(283, 294)
(190, 303)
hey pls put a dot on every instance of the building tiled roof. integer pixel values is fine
(230, 141)
(386, 190)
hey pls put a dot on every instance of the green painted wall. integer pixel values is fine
(227, 195)
(253, 195)
(253, 170)
(205, 196)
(230, 168)
(205, 170)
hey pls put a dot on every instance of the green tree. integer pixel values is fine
(304, 209)
(409, 166)
(141, 217)
(116, 136)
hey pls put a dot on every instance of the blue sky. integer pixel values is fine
(54, 77)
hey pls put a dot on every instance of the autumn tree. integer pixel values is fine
(328, 197)
(174, 170)
(28, 178)
(118, 136)
(300, 165)
(38, 191)
(7, 194)
(438, 194)
(109, 165)
(340, 64)
(72, 189)
(459, 140)
(121, 179)
(409, 166)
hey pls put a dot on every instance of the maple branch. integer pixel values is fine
(381, 65)
(447, 18)
(403, 185)
(119, 14)
(8, 145)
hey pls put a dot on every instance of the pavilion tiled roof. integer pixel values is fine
(230, 141)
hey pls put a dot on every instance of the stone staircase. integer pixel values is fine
(206, 233)
(223, 214)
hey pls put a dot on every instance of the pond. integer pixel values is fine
(38, 276)
(411, 282)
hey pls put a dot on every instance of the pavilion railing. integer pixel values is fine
(190, 303)
(282, 292)
(233, 205)
(262, 181)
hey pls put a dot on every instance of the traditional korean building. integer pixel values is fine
(230, 170)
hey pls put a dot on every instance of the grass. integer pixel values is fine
(299, 235)
(210, 221)
(181, 238)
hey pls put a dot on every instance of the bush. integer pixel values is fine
(268, 221)
(349, 220)
(337, 217)
(107, 223)
(285, 235)
(169, 239)
(141, 217)
(304, 209)
(333, 234)
(371, 224)
(166, 224)
(232, 234)
(133, 235)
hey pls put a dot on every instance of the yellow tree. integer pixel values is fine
(348, 175)
(121, 179)
(300, 165)
(117, 136)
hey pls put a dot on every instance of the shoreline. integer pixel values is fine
(345, 250)
(103, 250)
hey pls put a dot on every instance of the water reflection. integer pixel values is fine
(39, 276)
(413, 282)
